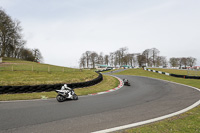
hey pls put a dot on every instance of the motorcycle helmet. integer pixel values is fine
(65, 85)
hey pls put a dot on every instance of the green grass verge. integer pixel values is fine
(107, 84)
(188, 122)
(36, 78)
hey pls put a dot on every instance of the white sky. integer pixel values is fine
(64, 29)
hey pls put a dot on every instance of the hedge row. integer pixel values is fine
(47, 88)
(175, 75)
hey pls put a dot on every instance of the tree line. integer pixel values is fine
(148, 58)
(12, 43)
(183, 61)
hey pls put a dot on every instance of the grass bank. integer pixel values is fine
(107, 84)
(18, 78)
(19, 72)
(188, 122)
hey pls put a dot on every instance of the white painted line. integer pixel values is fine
(154, 119)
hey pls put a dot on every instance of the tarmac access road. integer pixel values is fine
(145, 99)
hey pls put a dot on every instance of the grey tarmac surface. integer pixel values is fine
(145, 99)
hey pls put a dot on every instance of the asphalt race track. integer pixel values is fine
(145, 99)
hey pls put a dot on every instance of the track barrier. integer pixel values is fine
(174, 75)
(47, 88)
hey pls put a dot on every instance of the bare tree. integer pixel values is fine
(179, 60)
(130, 59)
(158, 61)
(123, 56)
(141, 60)
(10, 35)
(148, 54)
(161, 61)
(11, 41)
(184, 62)
(191, 61)
(6, 31)
(27, 54)
(106, 59)
(82, 61)
(117, 58)
(87, 56)
(93, 58)
(173, 62)
(149, 57)
(111, 58)
(126, 59)
(100, 59)
(155, 53)
(37, 55)
(164, 61)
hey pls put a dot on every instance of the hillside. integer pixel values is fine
(19, 72)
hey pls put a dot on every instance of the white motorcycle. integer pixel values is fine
(66, 93)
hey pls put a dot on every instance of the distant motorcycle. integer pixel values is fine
(126, 82)
(66, 93)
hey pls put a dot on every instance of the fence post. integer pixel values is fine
(63, 69)
(12, 68)
(48, 69)
(32, 68)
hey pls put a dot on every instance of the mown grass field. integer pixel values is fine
(19, 72)
(188, 122)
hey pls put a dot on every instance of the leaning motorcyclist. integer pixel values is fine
(65, 87)
(125, 80)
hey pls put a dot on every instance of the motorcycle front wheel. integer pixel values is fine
(60, 98)
(75, 97)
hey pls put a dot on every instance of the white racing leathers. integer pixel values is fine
(66, 93)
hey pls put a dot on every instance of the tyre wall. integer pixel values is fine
(47, 88)
(174, 75)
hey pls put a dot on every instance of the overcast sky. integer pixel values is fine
(64, 29)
